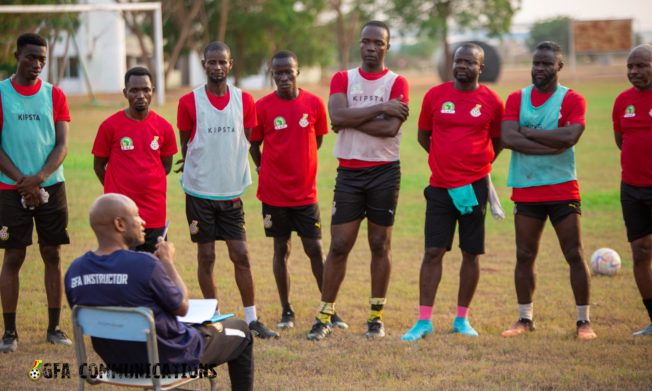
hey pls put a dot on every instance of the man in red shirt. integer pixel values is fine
(133, 154)
(632, 123)
(215, 121)
(542, 123)
(367, 107)
(34, 120)
(291, 125)
(459, 127)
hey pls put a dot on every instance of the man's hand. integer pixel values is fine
(29, 187)
(181, 163)
(165, 251)
(396, 108)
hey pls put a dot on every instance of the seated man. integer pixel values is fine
(151, 281)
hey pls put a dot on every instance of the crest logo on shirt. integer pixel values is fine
(4, 235)
(448, 108)
(194, 227)
(630, 111)
(126, 144)
(475, 112)
(267, 221)
(154, 144)
(303, 122)
(650, 113)
(279, 123)
(356, 88)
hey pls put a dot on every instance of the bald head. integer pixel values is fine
(114, 219)
(639, 67)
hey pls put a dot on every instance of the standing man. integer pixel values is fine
(632, 120)
(135, 279)
(542, 123)
(34, 142)
(133, 153)
(459, 127)
(367, 106)
(291, 125)
(214, 123)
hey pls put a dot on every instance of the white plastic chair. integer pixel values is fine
(125, 324)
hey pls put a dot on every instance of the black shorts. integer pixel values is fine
(556, 210)
(637, 210)
(151, 238)
(17, 223)
(442, 216)
(280, 221)
(370, 192)
(210, 220)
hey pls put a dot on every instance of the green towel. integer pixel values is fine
(463, 198)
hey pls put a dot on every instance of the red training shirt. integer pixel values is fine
(573, 109)
(462, 125)
(340, 85)
(632, 117)
(60, 109)
(288, 168)
(134, 149)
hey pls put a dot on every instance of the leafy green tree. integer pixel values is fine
(553, 29)
(432, 17)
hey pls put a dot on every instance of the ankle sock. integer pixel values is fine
(646, 302)
(425, 312)
(582, 313)
(525, 311)
(10, 321)
(326, 311)
(53, 318)
(462, 312)
(250, 314)
(377, 306)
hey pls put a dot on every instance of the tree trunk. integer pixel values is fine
(61, 72)
(184, 32)
(344, 35)
(133, 25)
(224, 19)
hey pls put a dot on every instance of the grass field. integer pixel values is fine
(549, 359)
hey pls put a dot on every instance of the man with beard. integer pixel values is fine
(214, 123)
(632, 123)
(542, 123)
(367, 106)
(34, 120)
(459, 127)
(133, 153)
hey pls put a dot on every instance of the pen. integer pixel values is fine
(165, 230)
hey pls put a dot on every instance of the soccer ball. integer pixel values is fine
(34, 374)
(605, 261)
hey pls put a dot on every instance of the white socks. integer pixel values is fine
(525, 311)
(250, 314)
(582, 312)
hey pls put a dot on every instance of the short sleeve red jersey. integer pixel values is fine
(289, 130)
(134, 149)
(573, 110)
(462, 124)
(340, 85)
(187, 113)
(632, 118)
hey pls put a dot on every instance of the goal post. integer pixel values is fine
(115, 7)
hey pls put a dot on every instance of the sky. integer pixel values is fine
(639, 10)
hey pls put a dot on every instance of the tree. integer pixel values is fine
(432, 17)
(553, 29)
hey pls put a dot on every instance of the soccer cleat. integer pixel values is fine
(645, 331)
(420, 329)
(9, 342)
(259, 329)
(462, 326)
(585, 331)
(521, 326)
(338, 322)
(58, 337)
(287, 320)
(375, 329)
(319, 331)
